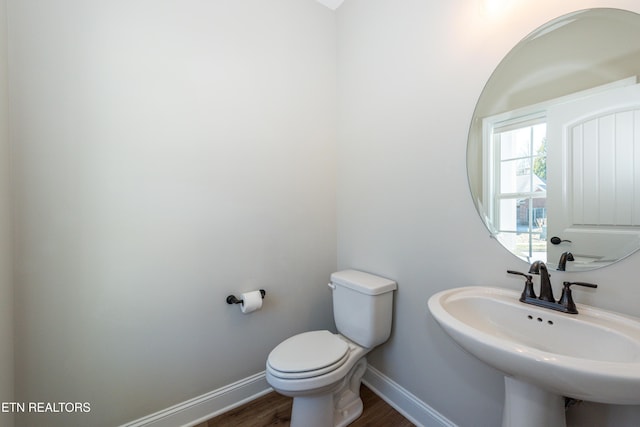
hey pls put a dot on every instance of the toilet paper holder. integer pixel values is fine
(231, 299)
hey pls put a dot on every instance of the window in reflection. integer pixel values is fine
(519, 188)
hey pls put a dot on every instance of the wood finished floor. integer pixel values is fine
(274, 409)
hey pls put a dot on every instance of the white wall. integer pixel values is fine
(410, 73)
(167, 154)
(6, 287)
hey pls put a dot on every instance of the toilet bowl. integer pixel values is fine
(321, 370)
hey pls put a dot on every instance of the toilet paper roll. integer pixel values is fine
(251, 301)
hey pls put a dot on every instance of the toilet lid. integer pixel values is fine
(309, 351)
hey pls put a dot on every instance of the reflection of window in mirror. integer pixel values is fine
(518, 190)
(516, 160)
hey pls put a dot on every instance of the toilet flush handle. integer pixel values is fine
(332, 286)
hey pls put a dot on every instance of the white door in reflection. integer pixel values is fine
(593, 203)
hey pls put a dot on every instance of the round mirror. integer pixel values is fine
(553, 155)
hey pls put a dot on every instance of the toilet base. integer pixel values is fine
(334, 408)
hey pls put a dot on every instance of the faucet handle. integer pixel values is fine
(588, 285)
(528, 285)
(566, 300)
(529, 277)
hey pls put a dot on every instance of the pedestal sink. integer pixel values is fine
(545, 355)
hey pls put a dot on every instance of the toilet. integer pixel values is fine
(321, 370)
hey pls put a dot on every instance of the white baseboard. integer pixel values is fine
(208, 405)
(216, 402)
(412, 408)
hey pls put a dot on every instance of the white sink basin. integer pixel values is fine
(593, 355)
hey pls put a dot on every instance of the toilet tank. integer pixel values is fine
(362, 306)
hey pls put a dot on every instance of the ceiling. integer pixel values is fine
(331, 4)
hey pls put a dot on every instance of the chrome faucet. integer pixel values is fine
(546, 292)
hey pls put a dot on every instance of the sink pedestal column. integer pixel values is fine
(527, 405)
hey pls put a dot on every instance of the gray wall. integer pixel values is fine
(166, 154)
(6, 287)
(410, 73)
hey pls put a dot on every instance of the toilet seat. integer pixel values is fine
(308, 355)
